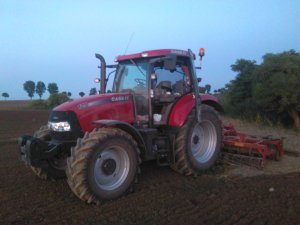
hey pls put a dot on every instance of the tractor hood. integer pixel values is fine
(114, 106)
(84, 102)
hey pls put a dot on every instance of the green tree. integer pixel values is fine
(57, 99)
(52, 88)
(277, 90)
(270, 90)
(238, 93)
(29, 87)
(93, 91)
(81, 94)
(69, 94)
(202, 89)
(40, 88)
(5, 95)
(38, 104)
(207, 88)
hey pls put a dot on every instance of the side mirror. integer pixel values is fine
(199, 79)
(170, 62)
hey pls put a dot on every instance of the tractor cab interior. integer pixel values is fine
(166, 87)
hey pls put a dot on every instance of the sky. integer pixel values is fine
(56, 41)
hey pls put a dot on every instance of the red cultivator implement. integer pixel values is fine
(250, 150)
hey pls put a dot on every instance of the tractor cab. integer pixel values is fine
(156, 80)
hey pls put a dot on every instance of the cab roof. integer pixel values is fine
(153, 53)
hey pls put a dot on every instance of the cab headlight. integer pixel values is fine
(59, 126)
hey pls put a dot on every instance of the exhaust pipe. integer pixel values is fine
(102, 72)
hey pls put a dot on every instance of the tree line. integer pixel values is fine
(269, 91)
(40, 88)
(55, 97)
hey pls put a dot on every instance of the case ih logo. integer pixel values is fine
(179, 52)
(120, 98)
(103, 101)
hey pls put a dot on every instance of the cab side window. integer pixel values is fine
(175, 79)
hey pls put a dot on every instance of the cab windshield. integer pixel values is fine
(131, 76)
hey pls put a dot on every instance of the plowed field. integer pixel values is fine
(225, 195)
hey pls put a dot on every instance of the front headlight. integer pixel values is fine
(59, 126)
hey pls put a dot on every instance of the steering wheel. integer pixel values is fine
(140, 81)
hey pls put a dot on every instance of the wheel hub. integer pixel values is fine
(109, 166)
(203, 141)
(195, 139)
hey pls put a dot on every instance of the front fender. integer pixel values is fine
(125, 127)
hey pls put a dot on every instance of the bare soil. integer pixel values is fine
(14, 104)
(224, 195)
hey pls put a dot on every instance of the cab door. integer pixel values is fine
(166, 88)
(132, 78)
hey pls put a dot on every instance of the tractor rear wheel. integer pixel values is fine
(55, 168)
(103, 165)
(198, 145)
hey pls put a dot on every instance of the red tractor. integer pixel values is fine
(153, 112)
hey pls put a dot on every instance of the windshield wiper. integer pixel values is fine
(134, 63)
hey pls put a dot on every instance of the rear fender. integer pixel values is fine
(125, 127)
(184, 106)
(181, 110)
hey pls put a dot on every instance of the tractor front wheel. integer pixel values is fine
(103, 165)
(198, 145)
